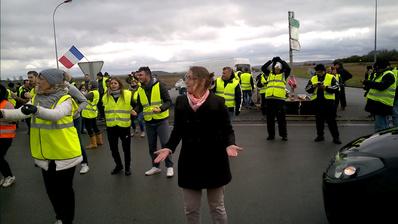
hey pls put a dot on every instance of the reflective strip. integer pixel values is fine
(229, 99)
(89, 109)
(148, 113)
(219, 92)
(229, 94)
(5, 131)
(145, 105)
(156, 103)
(118, 111)
(51, 126)
(117, 119)
(380, 94)
(276, 87)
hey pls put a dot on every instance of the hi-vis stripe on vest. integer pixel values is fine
(156, 101)
(118, 113)
(91, 110)
(276, 86)
(54, 140)
(10, 99)
(326, 82)
(228, 93)
(384, 96)
(7, 129)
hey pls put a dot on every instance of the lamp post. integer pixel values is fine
(55, 36)
(375, 50)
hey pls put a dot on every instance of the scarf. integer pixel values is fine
(194, 102)
(115, 93)
(48, 99)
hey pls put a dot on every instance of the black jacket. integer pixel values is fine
(205, 135)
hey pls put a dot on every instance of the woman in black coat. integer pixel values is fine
(201, 121)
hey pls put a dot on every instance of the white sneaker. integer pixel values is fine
(142, 134)
(58, 222)
(84, 169)
(152, 171)
(8, 181)
(132, 134)
(136, 131)
(170, 172)
(1, 181)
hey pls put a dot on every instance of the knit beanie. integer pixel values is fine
(53, 76)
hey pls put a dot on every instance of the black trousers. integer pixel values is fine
(325, 111)
(276, 108)
(343, 101)
(5, 144)
(59, 187)
(114, 133)
(91, 126)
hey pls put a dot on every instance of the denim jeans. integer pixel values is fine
(247, 98)
(153, 130)
(140, 121)
(381, 122)
(78, 123)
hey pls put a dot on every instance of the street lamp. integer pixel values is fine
(375, 50)
(55, 36)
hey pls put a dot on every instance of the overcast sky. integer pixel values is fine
(170, 35)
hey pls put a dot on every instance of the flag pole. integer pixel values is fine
(290, 15)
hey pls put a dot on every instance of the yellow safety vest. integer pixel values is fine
(10, 99)
(276, 86)
(54, 140)
(156, 101)
(264, 83)
(245, 81)
(326, 82)
(237, 74)
(118, 113)
(384, 96)
(91, 110)
(228, 93)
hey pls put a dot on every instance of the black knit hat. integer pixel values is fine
(320, 67)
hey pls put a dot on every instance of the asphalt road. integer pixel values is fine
(273, 182)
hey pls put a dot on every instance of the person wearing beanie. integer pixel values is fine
(380, 98)
(274, 96)
(7, 133)
(344, 76)
(323, 88)
(51, 110)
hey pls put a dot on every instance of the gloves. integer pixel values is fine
(28, 109)
(276, 59)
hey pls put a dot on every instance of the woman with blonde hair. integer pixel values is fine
(207, 142)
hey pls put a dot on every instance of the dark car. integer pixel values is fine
(361, 183)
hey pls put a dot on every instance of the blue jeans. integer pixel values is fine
(78, 124)
(140, 120)
(247, 98)
(395, 113)
(153, 130)
(381, 122)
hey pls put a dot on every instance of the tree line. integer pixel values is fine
(390, 55)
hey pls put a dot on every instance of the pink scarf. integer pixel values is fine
(194, 102)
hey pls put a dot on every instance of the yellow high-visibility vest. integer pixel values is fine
(276, 86)
(228, 93)
(264, 83)
(118, 113)
(326, 82)
(384, 96)
(10, 99)
(54, 140)
(91, 110)
(245, 81)
(156, 101)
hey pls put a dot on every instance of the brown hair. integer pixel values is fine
(202, 73)
(120, 85)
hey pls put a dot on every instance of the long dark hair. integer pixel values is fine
(120, 85)
(3, 93)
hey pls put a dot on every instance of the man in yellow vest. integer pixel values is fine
(323, 87)
(382, 90)
(277, 72)
(154, 101)
(247, 86)
(228, 87)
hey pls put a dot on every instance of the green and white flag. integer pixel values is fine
(294, 33)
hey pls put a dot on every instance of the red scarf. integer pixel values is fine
(194, 102)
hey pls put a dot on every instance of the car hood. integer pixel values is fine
(383, 144)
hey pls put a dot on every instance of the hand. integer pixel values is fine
(162, 155)
(233, 150)
(156, 110)
(28, 109)
(28, 96)
(321, 87)
(133, 113)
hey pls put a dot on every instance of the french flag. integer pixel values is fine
(70, 58)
